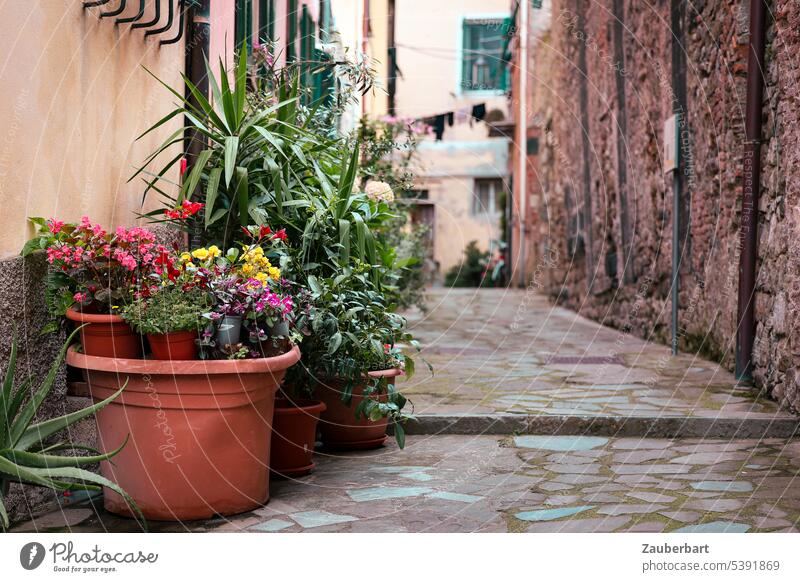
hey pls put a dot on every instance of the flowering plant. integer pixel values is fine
(244, 282)
(92, 269)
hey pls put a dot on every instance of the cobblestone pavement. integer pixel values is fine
(498, 350)
(490, 357)
(517, 484)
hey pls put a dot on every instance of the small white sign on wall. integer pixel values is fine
(671, 151)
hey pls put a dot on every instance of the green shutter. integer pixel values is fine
(243, 29)
(291, 30)
(266, 20)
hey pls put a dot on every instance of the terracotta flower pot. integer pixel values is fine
(200, 432)
(107, 336)
(338, 424)
(294, 432)
(178, 345)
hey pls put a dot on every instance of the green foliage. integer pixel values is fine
(273, 161)
(168, 310)
(351, 332)
(471, 272)
(412, 246)
(25, 455)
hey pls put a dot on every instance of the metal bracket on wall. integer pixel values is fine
(116, 12)
(156, 18)
(168, 25)
(182, 8)
(135, 17)
(95, 3)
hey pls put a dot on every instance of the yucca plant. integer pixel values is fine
(26, 457)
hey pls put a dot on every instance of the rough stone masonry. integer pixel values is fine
(606, 70)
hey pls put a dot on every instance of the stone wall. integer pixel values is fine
(605, 86)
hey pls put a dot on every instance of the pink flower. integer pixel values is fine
(183, 166)
(79, 297)
(55, 226)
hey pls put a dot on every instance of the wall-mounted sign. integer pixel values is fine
(671, 151)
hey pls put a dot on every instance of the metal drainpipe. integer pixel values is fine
(748, 230)
(198, 41)
(523, 139)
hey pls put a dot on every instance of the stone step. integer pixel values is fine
(639, 426)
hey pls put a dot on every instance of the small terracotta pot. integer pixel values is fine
(199, 432)
(178, 345)
(294, 432)
(338, 424)
(106, 336)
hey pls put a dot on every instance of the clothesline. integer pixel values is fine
(472, 113)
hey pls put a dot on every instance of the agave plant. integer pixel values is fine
(26, 456)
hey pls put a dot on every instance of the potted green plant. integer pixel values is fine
(171, 320)
(352, 361)
(29, 455)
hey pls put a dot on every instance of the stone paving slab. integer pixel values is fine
(510, 352)
(524, 483)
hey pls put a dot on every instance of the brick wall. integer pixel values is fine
(603, 87)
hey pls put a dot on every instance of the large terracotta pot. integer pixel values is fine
(338, 424)
(107, 336)
(178, 345)
(294, 432)
(200, 432)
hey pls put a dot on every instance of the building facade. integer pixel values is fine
(449, 72)
(77, 94)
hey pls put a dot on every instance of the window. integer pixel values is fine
(486, 198)
(414, 194)
(483, 67)
(243, 30)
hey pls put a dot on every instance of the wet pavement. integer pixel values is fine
(518, 484)
(511, 351)
(500, 354)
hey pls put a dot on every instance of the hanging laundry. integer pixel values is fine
(450, 118)
(438, 126)
(463, 115)
(479, 111)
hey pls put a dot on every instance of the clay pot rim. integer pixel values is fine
(82, 317)
(298, 406)
(388, 373)
(376, 374)
(183, 367)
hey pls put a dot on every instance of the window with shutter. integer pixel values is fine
(482, 67)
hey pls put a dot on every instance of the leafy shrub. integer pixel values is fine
(169, 310)
(471, 272)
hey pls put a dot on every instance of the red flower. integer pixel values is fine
(264, 231)
(183, 166)
(184, 211)
(281, 235)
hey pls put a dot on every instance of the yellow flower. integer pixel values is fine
(186, 257)
(201, 254)
(248, 269)
(264, 263)
(263, 278)
(213, 251)
(274, 273)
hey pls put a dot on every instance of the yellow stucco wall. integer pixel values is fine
(74, 99)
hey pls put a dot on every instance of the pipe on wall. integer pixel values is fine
(748, 228)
